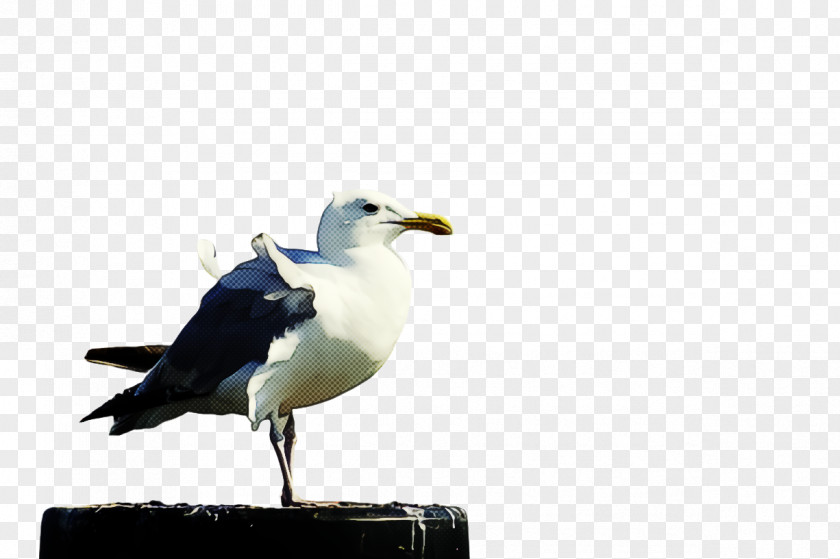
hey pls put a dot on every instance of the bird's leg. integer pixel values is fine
(278, 442)
(283, 440)
(290, 439)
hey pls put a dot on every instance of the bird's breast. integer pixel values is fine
(366, 303)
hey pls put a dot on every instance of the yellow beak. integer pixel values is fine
(432, 223)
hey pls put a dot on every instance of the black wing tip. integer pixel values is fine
(117, 429)
(98, 413)
(91, 415)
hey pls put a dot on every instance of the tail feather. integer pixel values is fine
(135, 358)
(130, 409)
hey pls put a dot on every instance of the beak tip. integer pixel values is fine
(435, 224)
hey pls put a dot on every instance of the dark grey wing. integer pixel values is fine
(235, 324)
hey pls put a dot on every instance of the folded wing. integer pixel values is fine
(237, 321)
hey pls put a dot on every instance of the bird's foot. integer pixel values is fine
(296, 502)
(306, 504)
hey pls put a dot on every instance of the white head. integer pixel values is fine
(365, 217)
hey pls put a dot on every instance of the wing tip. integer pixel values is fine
(92, 415)
(120, 427)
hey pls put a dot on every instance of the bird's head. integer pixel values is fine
(365, 217)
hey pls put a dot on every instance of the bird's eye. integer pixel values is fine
(370, 208)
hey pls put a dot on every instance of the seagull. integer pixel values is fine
(287, 329)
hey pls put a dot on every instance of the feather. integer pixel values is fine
(136, 358)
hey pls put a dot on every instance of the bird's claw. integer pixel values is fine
(304, 504)
(307, 504)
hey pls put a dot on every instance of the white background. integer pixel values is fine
(627, 349)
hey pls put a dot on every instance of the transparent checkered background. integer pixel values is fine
(629, 348)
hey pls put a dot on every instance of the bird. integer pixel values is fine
(287, 329)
